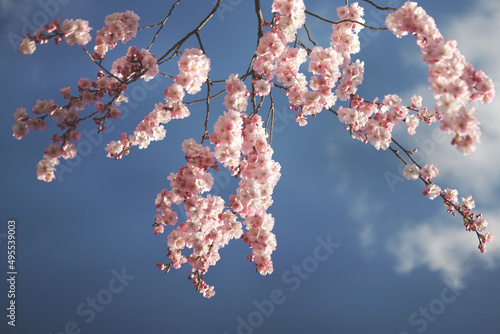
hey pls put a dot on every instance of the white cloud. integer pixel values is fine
(442, 248)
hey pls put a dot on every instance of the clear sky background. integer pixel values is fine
(399, 263)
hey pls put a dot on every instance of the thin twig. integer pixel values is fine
(260, 20)
(166, 75)
(161, 24)
(378, 7)
(205, 132)
(303, 45)
(260, 33)
(270, 115)
(102, 67)
(345, 20)
(199, 42)
(309, 36)
(201, 100)
(177, 45)
(407, 153)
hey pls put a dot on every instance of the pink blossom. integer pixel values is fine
(488, 237)
(411, 172)
(134, 63)
(114, 148)
(45, 169)
(44, 107)
(69, 151)
(227, 139)
(114, 112)
(451, 196)
(27, 46)
(20, 130)
(469, 202)
(292, 16)
(429, 171)
(301, 119)
(262, 87)
(118, 27)
(76, 31)
(432, 191)
(237, 94)
(174, 92)
(411, 122)
(453, 80)
(416, 101)
(59, 115)
(37, 124)
(193, 70)
(344, 37)
(480, 223)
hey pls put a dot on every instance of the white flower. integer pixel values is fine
(411, 172)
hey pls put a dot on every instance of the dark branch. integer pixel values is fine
(346, 20)
(177, 45)
(161, 24)
(378, 7)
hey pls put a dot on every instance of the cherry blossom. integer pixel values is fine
(241, 140)
(118, 27)
(27, 46)
(454, 81)
(76, 32)
(411, 172)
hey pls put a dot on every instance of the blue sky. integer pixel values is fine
(355, 253)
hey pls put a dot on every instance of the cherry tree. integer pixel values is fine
(314, 78)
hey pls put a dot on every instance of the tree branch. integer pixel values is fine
(161, 24)
(177, 45)
(378, 7)
(346, 20)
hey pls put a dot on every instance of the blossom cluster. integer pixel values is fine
(472, 222)
(373, 122)
(291, 18)
(209, 226)
(73, 31)
(193, 71)
(240, 141)
(237, 94)
(67, 118)
(454, 81)
(344, 37)
(428, 172)
(227, 139)
(134, 65)
(276, 59)
(259, 175)
(118, 27)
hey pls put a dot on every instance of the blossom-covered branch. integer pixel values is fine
(240, 140)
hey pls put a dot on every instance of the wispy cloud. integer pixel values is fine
(442, 248)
